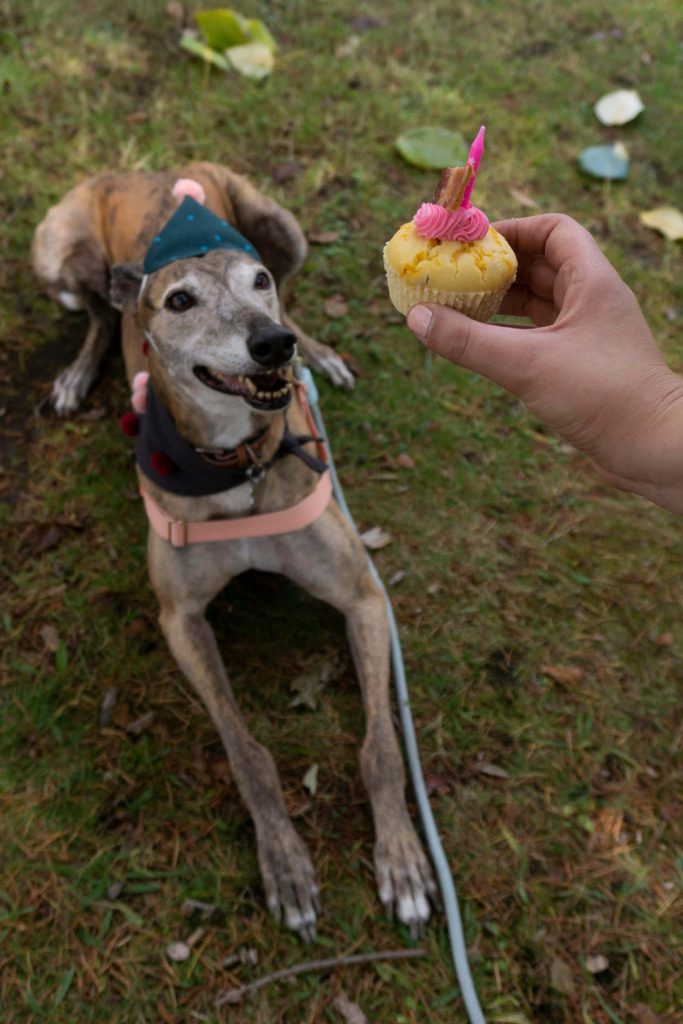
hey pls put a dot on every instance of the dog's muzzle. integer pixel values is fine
(266, 392)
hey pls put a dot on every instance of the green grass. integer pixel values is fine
(518, 562)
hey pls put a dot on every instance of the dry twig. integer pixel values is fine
(234, 995)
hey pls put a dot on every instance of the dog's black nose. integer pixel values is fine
(271, 345)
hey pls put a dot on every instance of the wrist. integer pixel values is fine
(647, 459)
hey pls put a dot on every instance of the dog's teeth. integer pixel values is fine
(251, 386)
(240, 378)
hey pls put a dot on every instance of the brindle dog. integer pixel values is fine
(214, 326)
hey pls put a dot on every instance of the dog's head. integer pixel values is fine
(213, 322)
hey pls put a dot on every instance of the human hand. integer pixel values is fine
(590, 368)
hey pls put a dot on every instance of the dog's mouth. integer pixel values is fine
(264, 391)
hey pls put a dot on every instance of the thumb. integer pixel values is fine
(495, 351)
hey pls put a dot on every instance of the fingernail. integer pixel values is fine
(419, 319)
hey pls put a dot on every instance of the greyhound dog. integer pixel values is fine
(209, 329)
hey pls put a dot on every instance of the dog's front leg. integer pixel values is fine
(286, 868)
(340, 575)
(404, 877)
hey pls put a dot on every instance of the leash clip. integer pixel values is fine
(255, 473)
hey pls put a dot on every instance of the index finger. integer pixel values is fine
(553, 235)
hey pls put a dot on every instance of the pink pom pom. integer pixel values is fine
(139, 401)
(139, 397)
(188, 187)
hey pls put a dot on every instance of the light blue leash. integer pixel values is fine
(443, 871)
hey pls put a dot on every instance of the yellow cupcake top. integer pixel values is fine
(484, 265)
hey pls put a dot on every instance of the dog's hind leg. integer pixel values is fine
(286, 868)
(72, 384)
(70, 262)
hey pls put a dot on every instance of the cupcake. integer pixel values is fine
(449, 253)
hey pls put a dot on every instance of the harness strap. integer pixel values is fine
(180, 533)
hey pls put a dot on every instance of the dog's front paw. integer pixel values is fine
(404, 878)
(289, 880)
(70, 389)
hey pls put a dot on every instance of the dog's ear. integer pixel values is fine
(271, 229)
(126, 279)
(278, 238)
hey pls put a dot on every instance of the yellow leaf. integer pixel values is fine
(665, 219)
(255, 60)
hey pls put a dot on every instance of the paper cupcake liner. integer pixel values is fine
(476, 305)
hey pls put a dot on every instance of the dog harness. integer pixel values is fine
(188, 472)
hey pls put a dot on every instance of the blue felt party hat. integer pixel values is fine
(193, 231)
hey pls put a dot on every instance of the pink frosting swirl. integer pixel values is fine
(466, 224)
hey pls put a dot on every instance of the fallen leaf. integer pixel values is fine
(246, 955)
(310, 780)
(376, 538)
(596, 964)
(348, 48)
(608, 162)
(564, 674)
(643, 1014)
(178, 952)
(50, 637)
(523, 198)
(437, 785)
(561, 977)
(406, 461)
(336, 306)
(45, 536)
(136, 117)
(219, 770)
(205, 910)
(107, 706)
(141, 724)
(351, 1012)
(365, 22)
(494, 770)
(665, 219)
(253, 60)
(114, 890)
(287, 170)
(432, 148)
(189, 42)
(618, 107)
(309, 684)
(221, 28)
(396, 578)
(322, 237)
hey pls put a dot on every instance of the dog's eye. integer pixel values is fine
(179, 302)
(261, 280)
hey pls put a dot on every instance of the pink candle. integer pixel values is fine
(473, 161)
